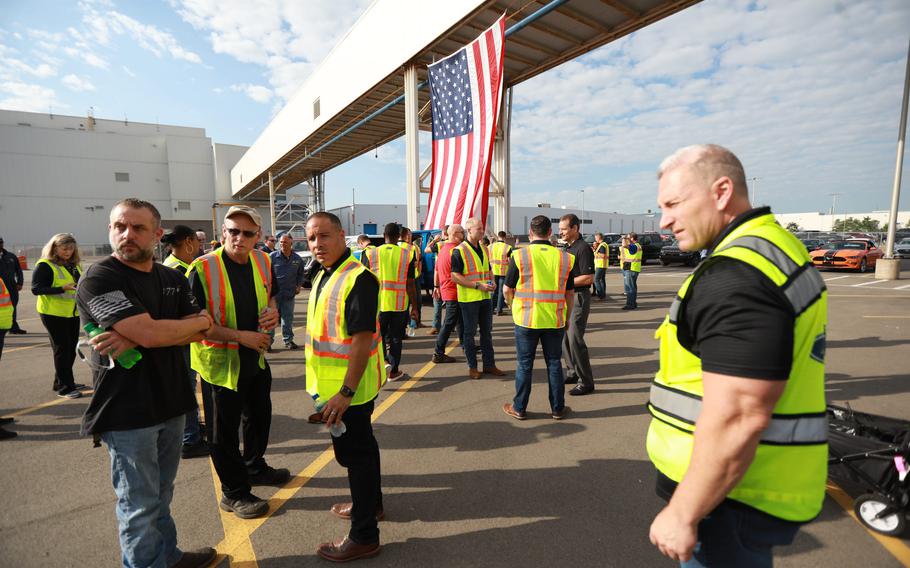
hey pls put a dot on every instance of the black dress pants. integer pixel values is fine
(64, 334)
(358, 451)
(250, 404)
(392, 327)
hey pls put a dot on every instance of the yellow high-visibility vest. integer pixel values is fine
(540, 295)
(173, 262)
(499, 260)
(601, 255)
(415, 255)
(328, 344)
(218, 362)
(64, 304)
(392, 264)
(787, 477)
(475, 270)
(633, 259)
(6, 307)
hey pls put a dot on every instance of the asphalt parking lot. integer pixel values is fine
(464, 484)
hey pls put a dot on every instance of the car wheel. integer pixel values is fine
(665, 262)
(862, 265)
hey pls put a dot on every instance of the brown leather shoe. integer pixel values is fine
(510, 410)
(345, 550)
(474, 373)
(433, 331)
(495, 371)
(562, 413)
(343, 510)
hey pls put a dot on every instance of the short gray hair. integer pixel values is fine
(710, 162)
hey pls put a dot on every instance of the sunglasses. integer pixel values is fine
(234, 232)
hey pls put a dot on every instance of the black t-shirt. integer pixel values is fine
(458, 262)
(245, 306)
(362, 304)
(156, 388)
(512, 274)
(584, 258)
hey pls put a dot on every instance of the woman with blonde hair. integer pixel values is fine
(54, 282)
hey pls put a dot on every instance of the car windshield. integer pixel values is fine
(850, 245)
(904, 242)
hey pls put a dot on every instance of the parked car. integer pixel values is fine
(855, 254)
(672, 253)
(813, 244)
(902, 248)
(651, 244)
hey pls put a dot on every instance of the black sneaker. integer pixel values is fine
(291, 345)
(247, 507)
(69, 392)
(443, 358)
(19, 331)
(270, 476)
(6, 434)
(197, 450)
(6, 420)
(198, 558)
(80, 386)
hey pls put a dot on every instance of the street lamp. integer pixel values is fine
(582, 210)
(754, 181)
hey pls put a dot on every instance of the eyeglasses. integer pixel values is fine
(234, 232)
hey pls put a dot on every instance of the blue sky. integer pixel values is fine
(807, 93)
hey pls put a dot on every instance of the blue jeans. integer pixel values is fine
(630, 283)
(600, 282)
(526, 349)
(143, 467)
(474, 314)
(191, 429)
(732, 535)
(437, 313)
(286, 311)
(498, 298)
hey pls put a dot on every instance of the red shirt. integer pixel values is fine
(448, 290)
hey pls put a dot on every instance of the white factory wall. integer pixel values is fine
(57, 174)
(380, 214)
(825, 222)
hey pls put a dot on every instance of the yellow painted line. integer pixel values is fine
(897, 547)
(236, 545)
(37, 407)
(14, 349)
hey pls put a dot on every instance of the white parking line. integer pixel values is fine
(902, 287)
(869, 283)
(837, 278)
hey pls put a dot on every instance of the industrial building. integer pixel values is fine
(62, 174)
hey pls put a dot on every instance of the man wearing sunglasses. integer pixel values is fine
(237, 284)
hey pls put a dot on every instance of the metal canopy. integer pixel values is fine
(534, 45)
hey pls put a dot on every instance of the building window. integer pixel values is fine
(316, 108)
(121, 176)
(554, 219)
(183, 205)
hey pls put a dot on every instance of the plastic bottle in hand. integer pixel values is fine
(336, 429)
(412, 328)
(126, 359)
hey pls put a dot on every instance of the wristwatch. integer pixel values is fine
(346, 391)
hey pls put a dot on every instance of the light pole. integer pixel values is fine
(834, 208)
(582, 210)
(754, 181)
(353, 201)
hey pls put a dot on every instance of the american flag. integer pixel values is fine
(465, 91)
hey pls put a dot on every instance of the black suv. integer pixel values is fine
(651, 243)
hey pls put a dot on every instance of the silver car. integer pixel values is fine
(902, 248)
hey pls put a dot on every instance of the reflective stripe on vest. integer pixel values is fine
(393, 264)
(173, 262)
(499, 260)
(218, 362)
(373, 259)
(328, 344)
(601, 255)
(475, 270)
(540, 294)
(787, 476)
(62, 305)
(415, 254)
(6, 307)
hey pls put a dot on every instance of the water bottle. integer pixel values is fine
(412, 328)
(126, 359)
(336, 429)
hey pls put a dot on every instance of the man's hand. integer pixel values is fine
(69, 286)
(487, 287)
(254, 340)
(415, 313)
(205, 315)
(334, 409)
(673, 536)
(18, 287)
(297, 290)
(269, 319)
(111, 343)
(437, 295)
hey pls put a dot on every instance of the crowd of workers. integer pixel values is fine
(741, 356)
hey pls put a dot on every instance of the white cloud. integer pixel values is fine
(258, 93)
(76, 83)
(129, 71)
(27, 97)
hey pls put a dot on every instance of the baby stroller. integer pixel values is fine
(871, 453)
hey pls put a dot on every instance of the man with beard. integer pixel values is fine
(139, 412)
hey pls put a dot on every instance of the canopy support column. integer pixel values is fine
(272, 218)
(412, 149)
(502, 195)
